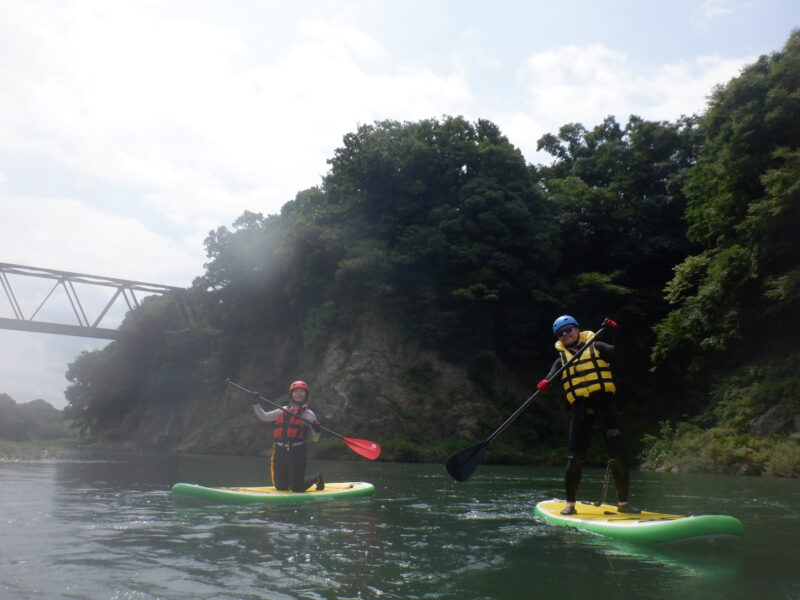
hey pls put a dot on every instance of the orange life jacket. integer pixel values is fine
(288, 428)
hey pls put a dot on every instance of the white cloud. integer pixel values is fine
(585, 84)
(344, 37)
(180, 110)
(70, 235)
(712, 9)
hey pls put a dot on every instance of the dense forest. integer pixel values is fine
(414, 288)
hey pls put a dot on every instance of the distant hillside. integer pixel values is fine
(36, 420)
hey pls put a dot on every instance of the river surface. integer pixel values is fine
(109, 528)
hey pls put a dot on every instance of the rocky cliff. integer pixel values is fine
(371, 382)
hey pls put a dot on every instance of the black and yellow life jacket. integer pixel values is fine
(588, 374)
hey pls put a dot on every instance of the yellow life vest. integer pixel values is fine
(588, 374)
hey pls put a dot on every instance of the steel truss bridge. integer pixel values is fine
(66, 280)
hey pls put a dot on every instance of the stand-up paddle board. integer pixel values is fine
(270, 495)
(645, 527)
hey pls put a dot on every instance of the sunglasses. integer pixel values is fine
(564, 330)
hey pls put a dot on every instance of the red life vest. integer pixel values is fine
(288, 428)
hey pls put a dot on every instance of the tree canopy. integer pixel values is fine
(743, 283)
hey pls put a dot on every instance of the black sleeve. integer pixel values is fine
(556, 366)
(606, 350)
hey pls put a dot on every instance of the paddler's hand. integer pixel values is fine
(254, 398)
(543, 385)
(609, 323)
(316, 427)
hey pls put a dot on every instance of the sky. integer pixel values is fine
(131, 129)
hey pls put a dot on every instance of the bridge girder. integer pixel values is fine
(67, 279)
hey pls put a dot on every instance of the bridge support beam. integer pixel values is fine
(66, 280)
(60, 329)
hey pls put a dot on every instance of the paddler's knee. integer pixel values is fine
(574, 463)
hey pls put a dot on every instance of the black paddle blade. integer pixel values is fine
(462, 464)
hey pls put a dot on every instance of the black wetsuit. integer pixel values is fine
(598, 411)
(288, 467)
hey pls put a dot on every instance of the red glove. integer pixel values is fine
(609, 323)
(543, 385)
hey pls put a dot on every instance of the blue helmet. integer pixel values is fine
(564, 320)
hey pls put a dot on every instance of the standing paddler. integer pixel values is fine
(590, 390)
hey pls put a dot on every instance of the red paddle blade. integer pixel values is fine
(365, 448)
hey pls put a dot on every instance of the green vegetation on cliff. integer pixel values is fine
(730, 338)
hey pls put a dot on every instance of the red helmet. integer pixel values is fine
(299, 384)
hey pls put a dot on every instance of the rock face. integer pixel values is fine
(374, 379)
(370, 382)
(778, 419)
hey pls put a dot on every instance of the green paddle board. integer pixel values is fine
(645, 527)
(269, 495)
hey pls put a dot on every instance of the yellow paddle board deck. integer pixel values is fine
(270, 495)
(646, 527)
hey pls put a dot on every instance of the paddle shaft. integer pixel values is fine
(462, 464)
(525, 404)
(604, 493)
(275, 404)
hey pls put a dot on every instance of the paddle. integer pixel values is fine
(463, 463)
(365, 448)
(604, 493)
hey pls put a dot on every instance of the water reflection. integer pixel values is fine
(710, 559)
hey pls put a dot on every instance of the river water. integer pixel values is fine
(109, 528)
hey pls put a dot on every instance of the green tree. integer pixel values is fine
(739, 294)
(728, 345)
(106, 386)
(616, 193)
(437, 220)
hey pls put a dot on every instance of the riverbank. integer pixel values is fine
(713, 452)
(38, 449)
